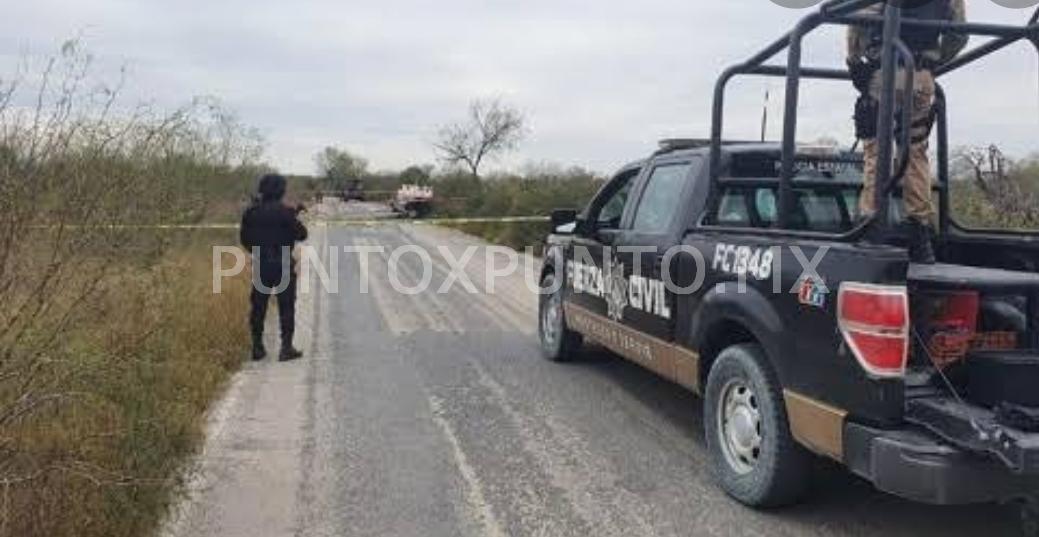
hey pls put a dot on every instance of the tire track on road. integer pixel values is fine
(427, 301)
(512, 307)
(442, 310)
(588, 482)
(401, 313)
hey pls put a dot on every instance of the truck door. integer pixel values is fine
(606, 216)
(658, 223)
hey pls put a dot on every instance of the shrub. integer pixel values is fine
(111, 344)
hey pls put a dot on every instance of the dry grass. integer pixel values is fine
(136, 375)
(111, 341)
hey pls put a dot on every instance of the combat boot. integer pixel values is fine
(872, 232)
(921, 246)
(288, 352)
(259, 351)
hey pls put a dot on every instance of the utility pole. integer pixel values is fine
(764, 116)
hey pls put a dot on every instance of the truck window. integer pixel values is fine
(765, 201)
(613, 208)
(827, 186)
(822, 211)
(662, 198)
(826, 209)
(732, 211)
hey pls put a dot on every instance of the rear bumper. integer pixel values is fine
(912, 464)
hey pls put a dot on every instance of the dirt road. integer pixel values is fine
(434, 415)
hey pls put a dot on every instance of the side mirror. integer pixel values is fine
(561, 217)
(584, 227)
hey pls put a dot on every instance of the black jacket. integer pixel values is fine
(271, 225)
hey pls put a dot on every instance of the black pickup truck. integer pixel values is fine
(740, 271)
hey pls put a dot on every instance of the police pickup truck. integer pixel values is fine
(807, 338)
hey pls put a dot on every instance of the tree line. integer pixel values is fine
(489, 130)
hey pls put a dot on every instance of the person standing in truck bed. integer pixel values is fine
(270, 229)
(931, 48)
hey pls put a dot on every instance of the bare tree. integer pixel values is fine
(491, 129)
(999, 180)
(987, 168)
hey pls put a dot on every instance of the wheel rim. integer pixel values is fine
(739, 426)
(550, 317)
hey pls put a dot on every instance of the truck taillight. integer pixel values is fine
(874, 320)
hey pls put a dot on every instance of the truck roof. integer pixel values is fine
(688, 147)
(700, 146)
(680, 147)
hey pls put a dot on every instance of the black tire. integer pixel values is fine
(775, 473)
(558, 343)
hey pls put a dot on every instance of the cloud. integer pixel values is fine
(600, 81)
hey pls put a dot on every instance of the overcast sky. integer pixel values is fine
(600, 81)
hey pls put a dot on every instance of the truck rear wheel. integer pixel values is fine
(558, 343)
(754, 457)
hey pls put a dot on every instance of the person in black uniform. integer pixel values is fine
(270, 229)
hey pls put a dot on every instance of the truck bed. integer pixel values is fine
(946, 276)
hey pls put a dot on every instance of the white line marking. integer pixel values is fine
(474, 490)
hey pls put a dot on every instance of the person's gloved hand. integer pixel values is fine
(861, 74)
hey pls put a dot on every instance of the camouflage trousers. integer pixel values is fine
(916, 185)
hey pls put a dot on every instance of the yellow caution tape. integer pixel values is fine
(438, 221)
(336, 223)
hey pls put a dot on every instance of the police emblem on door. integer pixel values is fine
(616, 291)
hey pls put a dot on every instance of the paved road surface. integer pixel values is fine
(434, 415)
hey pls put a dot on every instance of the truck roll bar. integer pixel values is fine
(895, 55)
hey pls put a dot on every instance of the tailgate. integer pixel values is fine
(976, 429)
(976, 342)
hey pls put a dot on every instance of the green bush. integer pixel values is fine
(534, 193)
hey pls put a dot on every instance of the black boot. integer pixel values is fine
(259, 352)
(872, 233)
(288, 352)
(921, 246)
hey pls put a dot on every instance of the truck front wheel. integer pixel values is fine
(753, 454)
(558, 343)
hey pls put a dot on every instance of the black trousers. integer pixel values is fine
(270, 277)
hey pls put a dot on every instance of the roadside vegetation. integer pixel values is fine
(533, 191)
(112, 344)
(994, 191)
(490, 129)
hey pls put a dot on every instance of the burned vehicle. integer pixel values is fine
(413, 201)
